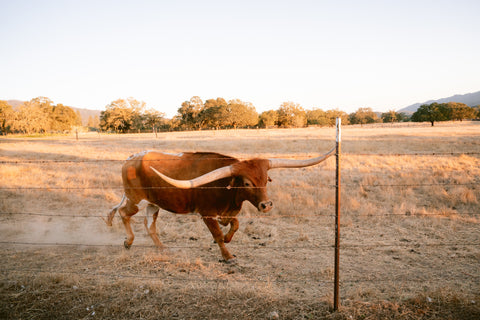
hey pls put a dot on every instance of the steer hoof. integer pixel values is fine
(126, 245)
(231, 262)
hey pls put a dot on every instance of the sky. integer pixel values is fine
(344, 55)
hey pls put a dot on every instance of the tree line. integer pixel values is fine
(444, 112)
(131, 116)
(41, 115)
(218, 113)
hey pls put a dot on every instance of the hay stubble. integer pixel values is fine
(404, 221)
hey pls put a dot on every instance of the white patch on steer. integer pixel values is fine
(173, 154)
(142, 204)
(140, 154)
(151, 209)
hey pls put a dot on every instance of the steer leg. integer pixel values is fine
(233, 228)
(217, 234)
(126, 213)
(150, 224)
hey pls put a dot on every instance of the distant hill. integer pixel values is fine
(15, 103)
(84, 113)
(470, 99)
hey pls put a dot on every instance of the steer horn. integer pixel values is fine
(214, 175)
(289, 163)
(225, 172)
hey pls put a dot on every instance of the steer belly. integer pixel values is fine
(175, 202)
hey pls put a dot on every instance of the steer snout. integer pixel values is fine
(265, 206)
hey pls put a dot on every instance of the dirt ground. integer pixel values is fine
(410, 238)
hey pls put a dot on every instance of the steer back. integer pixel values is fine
(220, 197)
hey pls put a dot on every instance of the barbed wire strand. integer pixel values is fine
(230, 279)
(293, 216)
(410, 185)
(254, 246)
(232, 158)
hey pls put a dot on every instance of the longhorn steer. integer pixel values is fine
(211, 184)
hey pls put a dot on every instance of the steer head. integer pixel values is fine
(249, 176)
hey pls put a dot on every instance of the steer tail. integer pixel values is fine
(109, 218)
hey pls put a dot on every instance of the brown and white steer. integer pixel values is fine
(210, 184)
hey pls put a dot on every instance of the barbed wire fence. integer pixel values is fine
(344, 245)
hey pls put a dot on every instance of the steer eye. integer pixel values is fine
(247, 183)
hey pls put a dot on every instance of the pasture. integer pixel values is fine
(410, 229)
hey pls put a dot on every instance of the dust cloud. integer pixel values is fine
(60, 230)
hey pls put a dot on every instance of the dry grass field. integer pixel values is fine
(410, 229)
